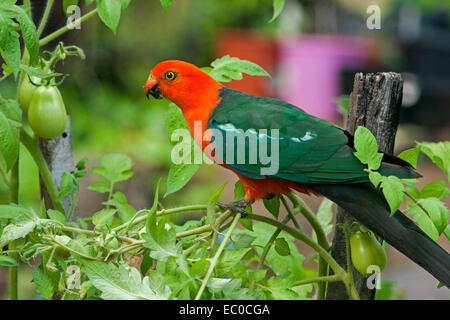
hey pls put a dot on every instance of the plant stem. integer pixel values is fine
(14, 198)
(321, 239)
(267, 248)
(350, 284)
(66, 28)
(417, 202)
(161, 213)
(33, 147)
(318, 280)
(44, 19)
(28, 5)
(291, 214)
(206, 228)
(217, 255)
(304, 238)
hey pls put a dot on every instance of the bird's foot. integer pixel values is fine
(237, 206)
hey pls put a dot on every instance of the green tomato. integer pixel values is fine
(26, 90)
(47, 113)
(366, 251)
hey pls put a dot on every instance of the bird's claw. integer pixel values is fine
(236, 206)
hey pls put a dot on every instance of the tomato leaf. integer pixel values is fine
(44, 285)
(103, 217)
(165, 4)
(229, 68)
(278, 6)
(393, 191)
(282, 247)
(410, 156)
(7, 261)
(109, 12)
(273, 206)
(211, 209)
(439, 153)
(114, 167)
(367, 148)
(56, 215)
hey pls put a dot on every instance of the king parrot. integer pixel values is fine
(315, 156)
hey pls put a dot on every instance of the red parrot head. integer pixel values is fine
(180, 82)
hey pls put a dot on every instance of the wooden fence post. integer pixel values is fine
(59, 157)
(375, 104)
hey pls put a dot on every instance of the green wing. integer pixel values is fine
(311, 150)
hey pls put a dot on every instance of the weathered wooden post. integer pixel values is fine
(59, 157)
(375, 104)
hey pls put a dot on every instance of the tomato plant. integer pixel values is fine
(120, 252)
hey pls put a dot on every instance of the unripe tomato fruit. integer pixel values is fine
(26, 90)
(47, 113)
(366, 251)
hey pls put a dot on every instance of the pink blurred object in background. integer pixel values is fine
(310, 67)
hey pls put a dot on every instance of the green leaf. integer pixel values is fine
(273, 206)
(125, 4)
(120, 282)
(233, 290)
(14, 212)
(165, 4)
(229, 68)
(67, 185)
(242, 240)
(114, 167)
(447, 232)
(435, 189)
(9, 141)
(29, 34)
(11, 51)
(161, 240)
(16, 231)
(367, 148)
(424, 222)
(34, 72)
(109, 12)
(439, 153)
(280, 288)
(44, 285)
(438, 212)
(247, 223)
(282, 247)
(278, 6)
(100, 186)
(229, 258)
(179, 176)
(125, 211)
(150, 225)
(103, 217)
(56, 215)
(7, 261)
(411, 156)
(67, 4)
(239, 191)
(325, 215)
(146, 264)
(393, 191)
(211, 209)
(375, 178)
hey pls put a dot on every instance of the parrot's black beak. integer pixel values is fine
(152, 88)
(155, 91)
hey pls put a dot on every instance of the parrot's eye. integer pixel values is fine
(170, 75)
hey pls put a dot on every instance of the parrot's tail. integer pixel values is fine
(368, 206)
